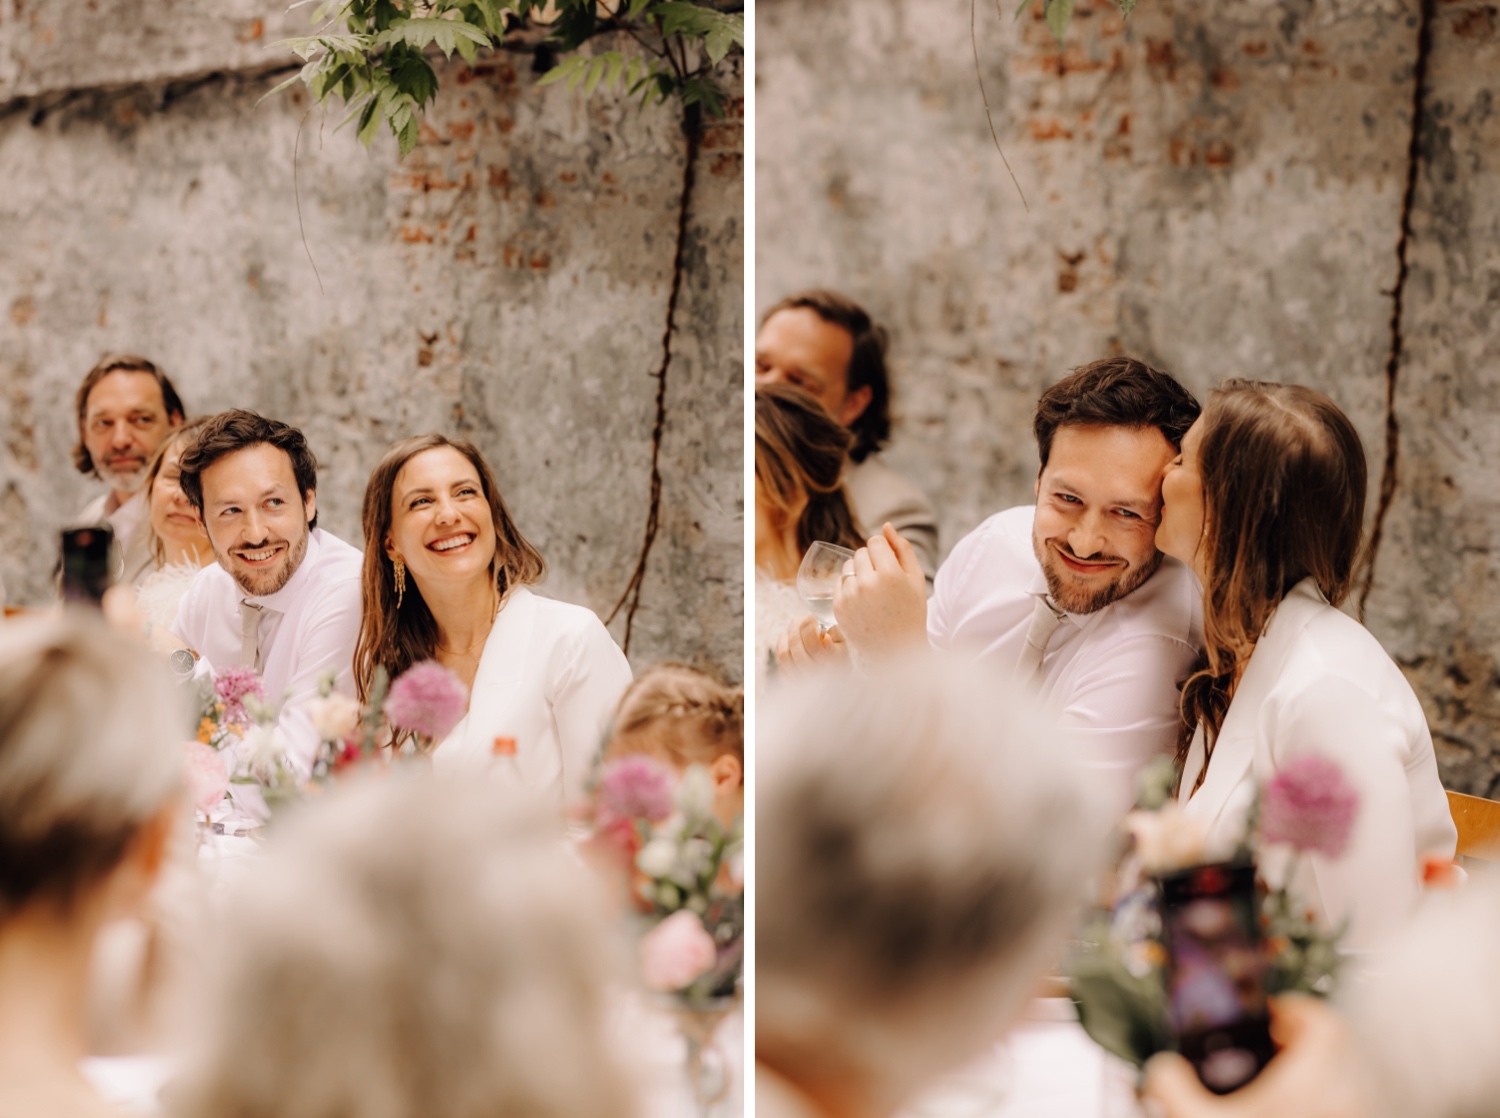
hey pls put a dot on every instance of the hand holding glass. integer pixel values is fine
(822, 568)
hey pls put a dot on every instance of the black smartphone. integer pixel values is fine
(86, 565)
(1216, 969)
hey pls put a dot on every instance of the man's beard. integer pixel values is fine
(122, 481)
(1084, 600)
(270, 580)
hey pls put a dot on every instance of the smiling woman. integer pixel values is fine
(446, 577)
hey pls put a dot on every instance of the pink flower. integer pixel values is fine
(427, 699)
(1311, 805)
(636, 787)
(233, 686)
(676, 951)
(207, 778)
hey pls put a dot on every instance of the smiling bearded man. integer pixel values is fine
(1071, 594)
(284, 597)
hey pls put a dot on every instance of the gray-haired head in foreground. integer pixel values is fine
(922, 840)
(90, 732)
(411, 947)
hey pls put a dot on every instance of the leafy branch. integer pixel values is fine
(373, 54)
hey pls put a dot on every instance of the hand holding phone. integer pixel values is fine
(86, 563)
(1215, 976)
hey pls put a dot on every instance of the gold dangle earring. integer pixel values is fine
(400, 567)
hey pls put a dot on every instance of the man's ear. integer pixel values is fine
(854, 405)
(310, 505)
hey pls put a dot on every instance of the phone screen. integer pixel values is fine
(1215, 979)
(86, 563)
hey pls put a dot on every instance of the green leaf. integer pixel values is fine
(420, 33)
(678, 17)
(616, 65)
(406, 139)
(727, 32)
(301, 75)
(1059, 15)
(637, 8)
(1126, 7)
(596, 71)
(633, 74)
(1021, 9)
(415, 78)
(468, 50)
(494, 21)
(562, 70)
(369, 122)
(700, 91)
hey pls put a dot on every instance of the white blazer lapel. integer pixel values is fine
(1235, 749)
(500, 667)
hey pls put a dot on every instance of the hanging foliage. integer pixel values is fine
(372, 55)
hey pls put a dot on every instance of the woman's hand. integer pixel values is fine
(1315, 1073)
(802, 645)
(882, 604)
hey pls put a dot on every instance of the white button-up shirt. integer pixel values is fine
(308, 628)
(1111, 677)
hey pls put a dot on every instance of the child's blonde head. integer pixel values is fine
(682, 712)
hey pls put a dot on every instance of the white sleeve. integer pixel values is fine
(944, 607)
(1375, 881)
(584, 696)
(1125, 710)
(326, 644)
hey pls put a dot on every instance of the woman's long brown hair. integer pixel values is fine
(400, 637)
(800, 452)
(1284, 480)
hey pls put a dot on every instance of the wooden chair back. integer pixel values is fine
(1478, 822)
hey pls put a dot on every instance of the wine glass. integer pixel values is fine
(821, 569)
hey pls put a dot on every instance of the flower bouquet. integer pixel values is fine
(682, 869)
(238, 753)
(1118, 967)
(424, 704)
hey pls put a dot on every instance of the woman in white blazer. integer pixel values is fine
(446, 578)
(1266, 504)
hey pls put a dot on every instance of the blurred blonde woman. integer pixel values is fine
(922, 840)
(800, 457)
(178, 544)
(409, 951)
(90, 779)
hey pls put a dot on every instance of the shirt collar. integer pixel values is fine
(287, 596)
(1038, 589)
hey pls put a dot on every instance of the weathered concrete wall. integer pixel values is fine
(508, 282)
(1215, 187)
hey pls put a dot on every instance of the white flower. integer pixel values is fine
(1166, 840)
(696, 853)
(695, 795)
(657, 858)
(334, 717)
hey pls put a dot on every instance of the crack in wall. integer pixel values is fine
(632, 594)
(1390, 472)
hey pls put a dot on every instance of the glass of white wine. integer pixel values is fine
(821, 569)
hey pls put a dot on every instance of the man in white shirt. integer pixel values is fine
(827, 345)
(126, 407)
(1071, 595)
(284, 599)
